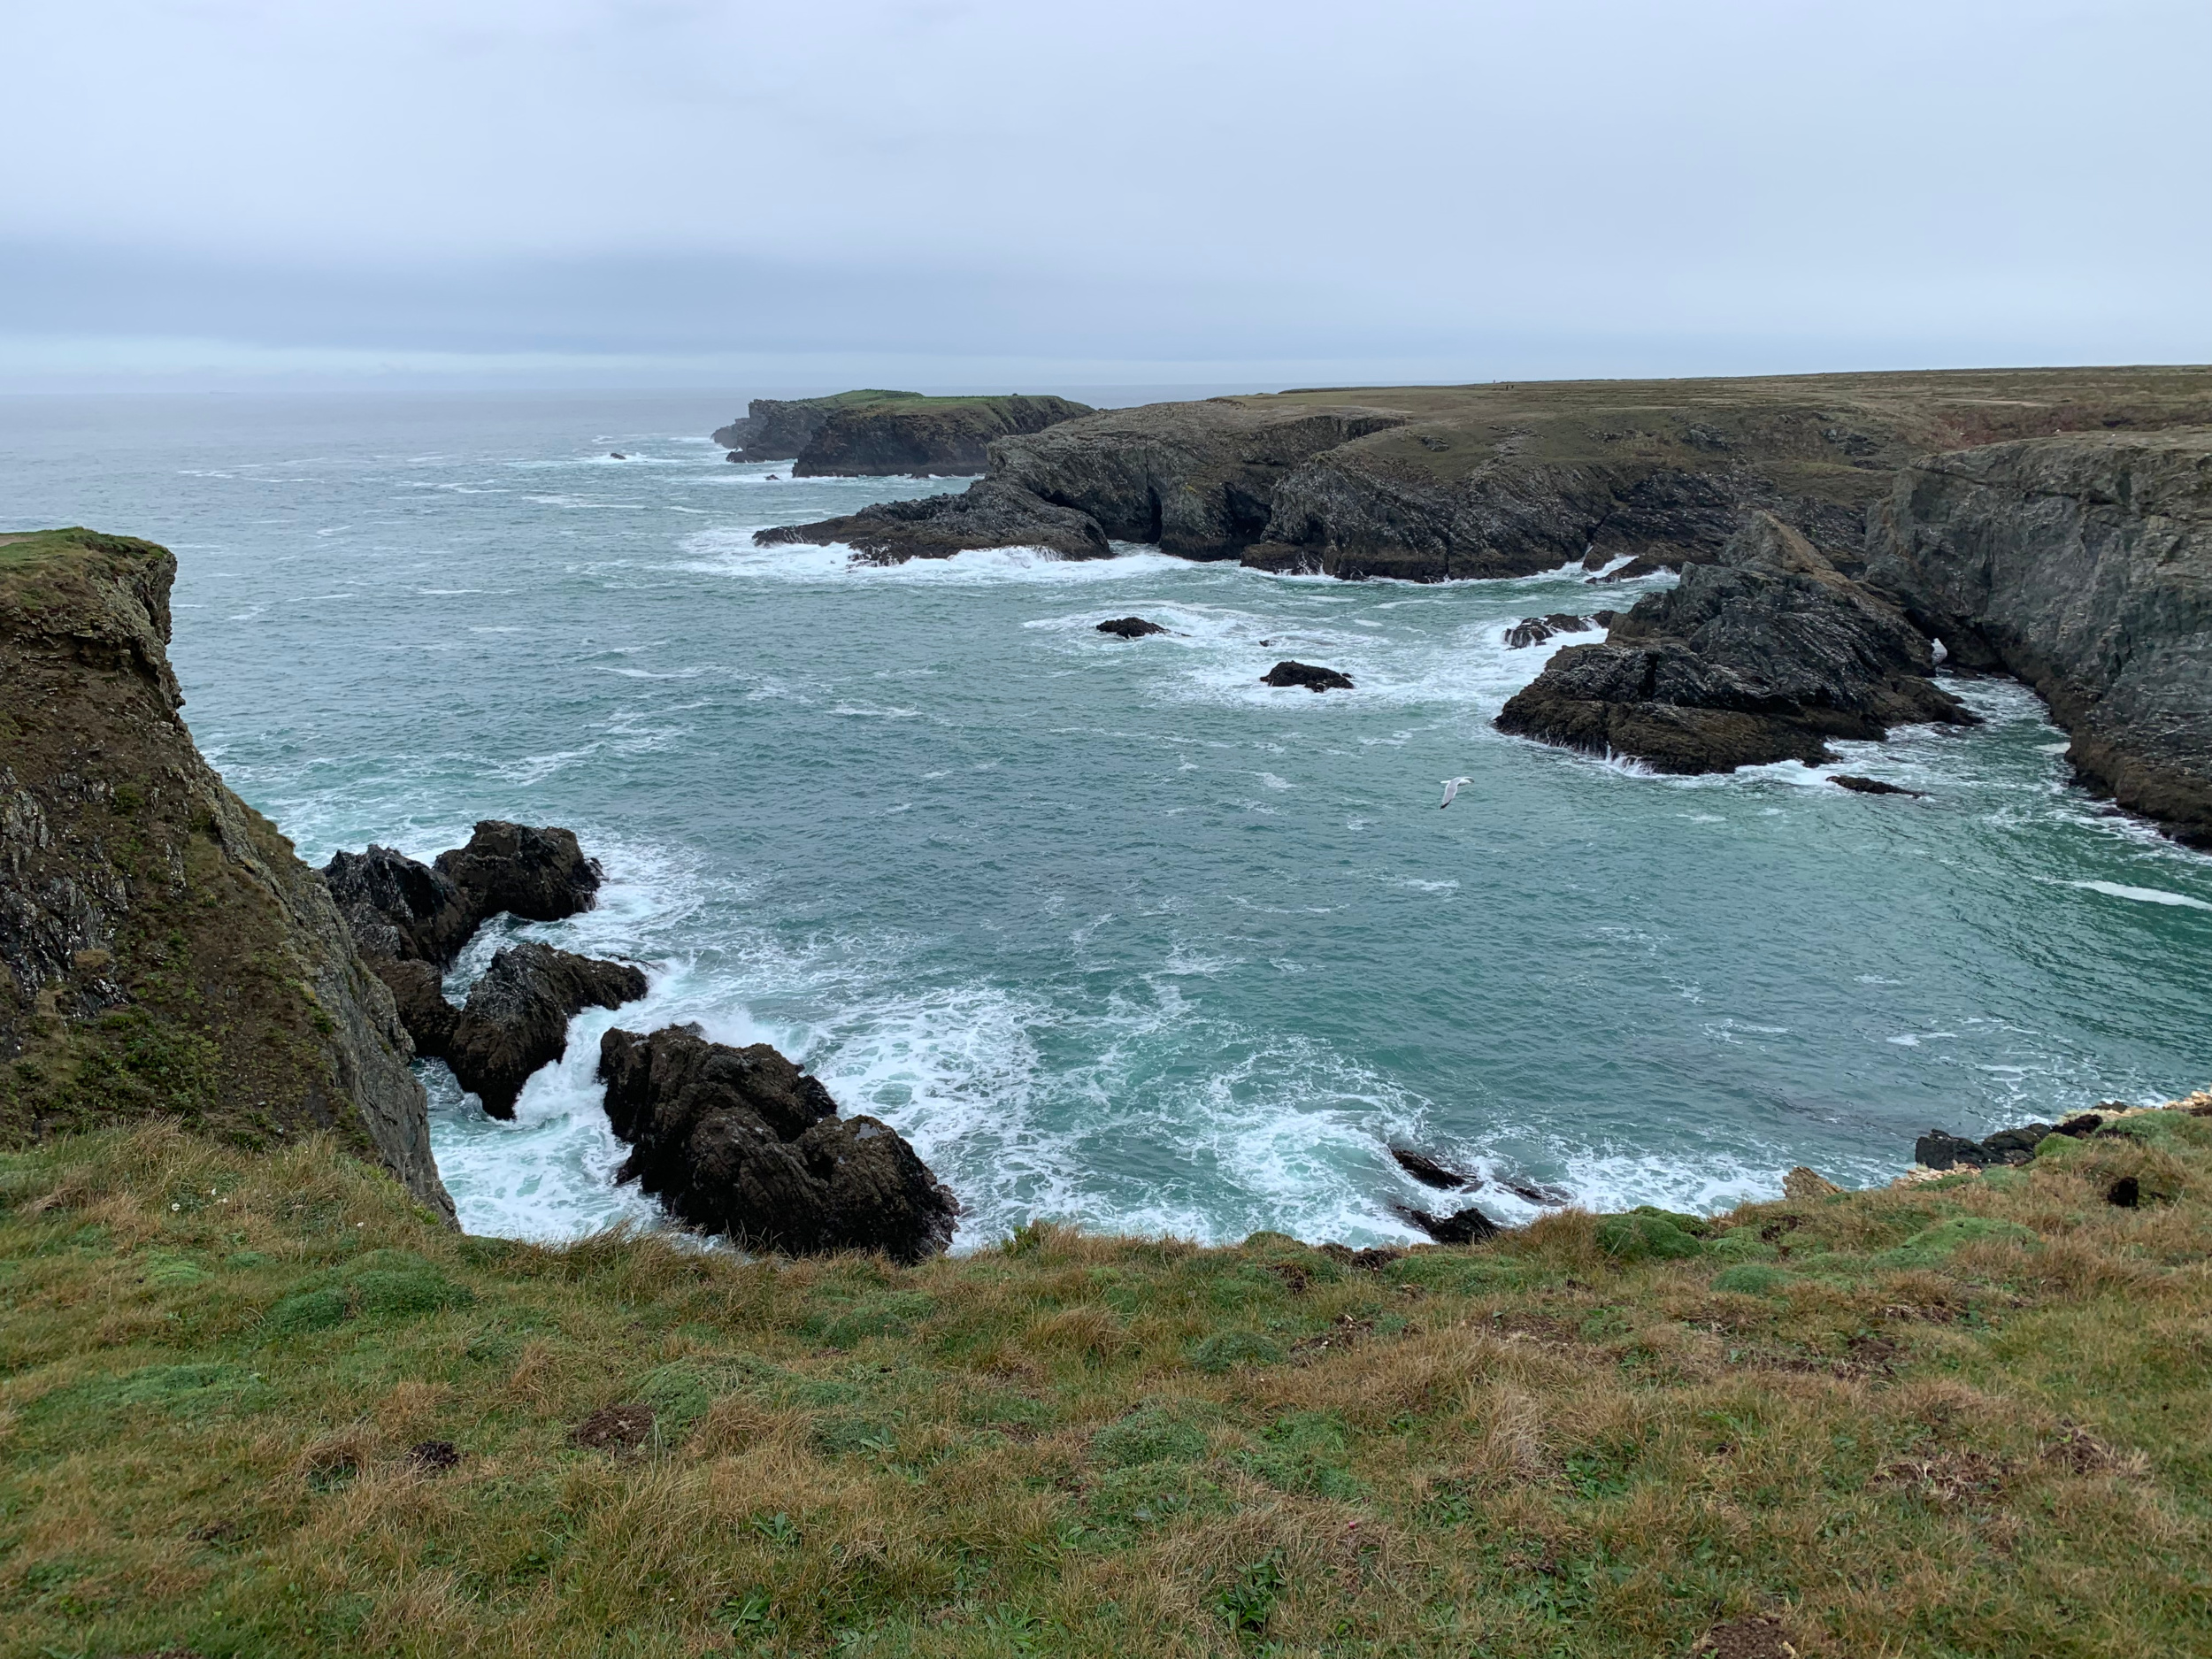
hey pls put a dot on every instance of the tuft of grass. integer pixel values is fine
(261, 1404)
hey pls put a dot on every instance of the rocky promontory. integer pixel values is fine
(2082, 566)
(165, 950)
(877, 433)
(741, 1142)
(1437, 483)
(988, 514)
(1764, 656)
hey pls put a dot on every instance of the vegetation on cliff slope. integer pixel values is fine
(263, 1406)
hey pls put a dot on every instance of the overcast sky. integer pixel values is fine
(981, 193)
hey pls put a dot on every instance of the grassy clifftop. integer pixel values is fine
(262, 1405)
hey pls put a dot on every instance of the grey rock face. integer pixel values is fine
(777, 429)
(989, 513)
(2083, 565)
(1761, 657)
(539, 874)
(740, 1142)
(399, 910)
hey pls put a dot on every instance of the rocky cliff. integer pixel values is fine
(1434, 483)
(947, 435)
(2082, 566)
(164, 950)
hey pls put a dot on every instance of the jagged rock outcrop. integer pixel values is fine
(517, 1016)
(400, 909)
(740, 1141)
(1763, 656)
(165, 951)
(932, 435)
(2082, 565)
(410, 919)
(989, 514)
(541, 875)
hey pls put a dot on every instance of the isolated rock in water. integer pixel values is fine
(1871, 786)
(1628, 572)
(1130, 628)
(516, 1017)
(1429, 1172)
(419, 989)
(740, 1141)
(1762, 657)
(2082, 565)
(1461, 1226)
(1535, 1193)
(400, 909)
(1305, 674)
(539, 874)
(988, 514)
(1528, 631)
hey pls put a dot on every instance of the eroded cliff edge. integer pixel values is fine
(2082, 565)
(165, 949)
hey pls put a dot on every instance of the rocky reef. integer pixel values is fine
(989, 514)
(741, 1142)
(165, 950)
(2082, 566)
(412, 920)
(1764, 656)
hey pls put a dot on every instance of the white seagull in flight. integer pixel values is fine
(1451, 788)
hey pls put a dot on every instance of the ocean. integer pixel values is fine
(1115, 934)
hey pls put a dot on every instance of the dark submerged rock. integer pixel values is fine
(516, 1017)
(1130, 628)
(1762, 657)
(1461, 1226)
(1305, 674)
(1872, 785)
(1429, 1172)
(740, 1141)
(1938, 1149)
(989, 513)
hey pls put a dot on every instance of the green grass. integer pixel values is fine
(1969, 1418)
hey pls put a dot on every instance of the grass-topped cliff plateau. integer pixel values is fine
(260, 1403)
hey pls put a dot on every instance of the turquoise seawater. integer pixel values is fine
(1113, 932)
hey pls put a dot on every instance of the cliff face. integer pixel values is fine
(934, 434)
(2083, 566)
(164, 950)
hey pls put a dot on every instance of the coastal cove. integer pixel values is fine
(1114, 933)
